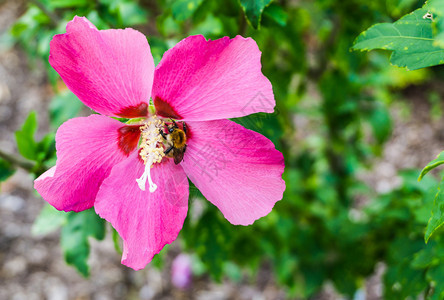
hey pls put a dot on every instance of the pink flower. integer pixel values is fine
(100, 162)
(181, 273)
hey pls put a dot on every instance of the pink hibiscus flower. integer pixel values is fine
(106, 164)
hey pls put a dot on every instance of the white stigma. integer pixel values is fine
(147, 175)
(149, 152)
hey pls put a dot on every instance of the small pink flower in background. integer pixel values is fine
(181, 273)
(142, 188)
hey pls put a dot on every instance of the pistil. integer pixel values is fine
(150, 152)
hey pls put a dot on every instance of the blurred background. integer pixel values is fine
(355, 132)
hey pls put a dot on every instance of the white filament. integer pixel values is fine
(147, 175)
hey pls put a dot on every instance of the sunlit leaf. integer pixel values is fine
(410, 38)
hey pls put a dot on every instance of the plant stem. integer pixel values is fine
(242, 23)
(18, 161)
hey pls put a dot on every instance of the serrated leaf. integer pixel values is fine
(25, 137)
(184, 9)
(253, 9)
(437, 218)
(6, 170)
(410, 38)
(439, 160)
(49, 220)
(74, 238)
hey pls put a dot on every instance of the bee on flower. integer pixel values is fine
(134, 174)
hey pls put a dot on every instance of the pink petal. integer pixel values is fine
(145, 221)
(236, 169)
(87, 149)
(208, 80)
(111, 71)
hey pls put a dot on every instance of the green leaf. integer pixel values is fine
(436, 8)
(158, 48)
(116, 241)
(40, 151)
(159, 259)
(184, 9)
(437, 218)
(49, 220)
(439, 160)
(277, 14)
(232, 271)
(64, 106)
(46, 147)
(401, 280)
(25, 137)
(381, 123)
(410, 38)
(6, 170)
(68, 3)
(74, 238)
(253, 9)
(131, 13)
(436, 275)
(210, 26)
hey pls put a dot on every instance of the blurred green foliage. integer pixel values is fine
(6, 169)
(330, 226)
(74, 237)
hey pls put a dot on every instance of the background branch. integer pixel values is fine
(18, 161)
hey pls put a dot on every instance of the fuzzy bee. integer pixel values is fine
(176, 141)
